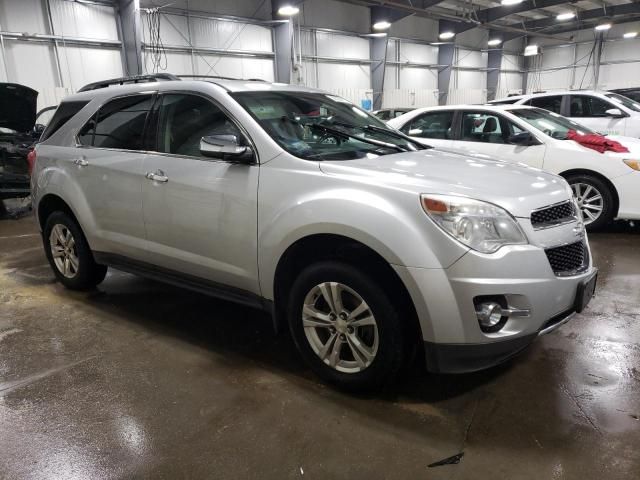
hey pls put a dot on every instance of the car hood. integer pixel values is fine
(17, 107)
(633, 144)
(517, 188)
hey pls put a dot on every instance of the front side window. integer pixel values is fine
(318, 126)
(588, 106)
(551, 124)
(383, 114)
(183, 121)
(486, 127)
(552, 103)
(118, 124)
(629, 102)
(431, 125)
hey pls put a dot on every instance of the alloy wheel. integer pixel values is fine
(590, 201)
(340, 327)
(63, 251)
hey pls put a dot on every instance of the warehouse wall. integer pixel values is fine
(56, 68)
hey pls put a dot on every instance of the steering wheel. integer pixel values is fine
(330, 139)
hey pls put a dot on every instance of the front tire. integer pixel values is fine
(595, 200)
(345, 327)
(69, 254)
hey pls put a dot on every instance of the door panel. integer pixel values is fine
(203, 219)
(590, 111)
(432, 128)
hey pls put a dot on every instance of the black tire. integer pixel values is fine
(89, 273)
(608, 201)
(384, 367)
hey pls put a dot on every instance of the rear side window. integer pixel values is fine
(430, 125)
(118, 124)
(63, 114)
(551, 103)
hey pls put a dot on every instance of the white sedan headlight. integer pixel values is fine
(479, 225)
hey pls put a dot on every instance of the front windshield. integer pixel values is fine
(552, 124)
(319, 126)
(622, 100)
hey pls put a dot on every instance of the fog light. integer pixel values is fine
(489, 314)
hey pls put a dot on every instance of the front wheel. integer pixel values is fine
(345, 326)
(594, 198)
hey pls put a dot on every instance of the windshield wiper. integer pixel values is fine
(393, 133)
(342, 133)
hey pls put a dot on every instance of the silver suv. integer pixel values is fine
(371, 247)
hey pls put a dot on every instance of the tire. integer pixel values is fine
(587, 187)
(72, 262)
(351, 368)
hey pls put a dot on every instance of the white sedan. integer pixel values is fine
(606, 185)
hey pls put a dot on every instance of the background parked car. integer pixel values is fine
(389, 113)
(606, 185)
(604, 112)
(632, 93)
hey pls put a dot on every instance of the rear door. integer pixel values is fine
(434, 128)
(486, 134)
(108, 167)
(201, 215)
(590, 111)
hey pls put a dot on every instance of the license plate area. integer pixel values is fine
(586, 291)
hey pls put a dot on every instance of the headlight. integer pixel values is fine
(479, 225)
(635, 164)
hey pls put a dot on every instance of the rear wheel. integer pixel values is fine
(595, 200)
(69, 254)
(345, 326)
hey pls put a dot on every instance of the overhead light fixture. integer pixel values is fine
(288, 10)
(374, 35)
(381, 25)
(447, 35)
(630, 35)
(510, 2)
(603, 26)
(530, 50)
(494, 41)
(566, 16)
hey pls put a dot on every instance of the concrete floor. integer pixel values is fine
(142, 380)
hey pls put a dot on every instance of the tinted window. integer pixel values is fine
(184, 119)
(431, 125)
(551, 103)
(627, 101)
(552, 124)
(118, 124)
(587, 106)
(63, 114)
(485, 127)
(383, 114)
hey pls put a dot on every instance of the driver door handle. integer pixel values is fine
(157, 176)
(81, 162)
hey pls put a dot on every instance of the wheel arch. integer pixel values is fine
(50, 203)
(599, 176)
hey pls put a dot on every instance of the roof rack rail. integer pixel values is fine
(218, 77)
(124, 80)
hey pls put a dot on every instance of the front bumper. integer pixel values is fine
(443, 298)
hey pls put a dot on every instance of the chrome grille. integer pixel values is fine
(568, 259)
(553, 215)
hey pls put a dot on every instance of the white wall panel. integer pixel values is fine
(82, 65)
(342, 46)
(508, 83)
(390, 77)
(418, 78)
(470, 58)
(619, 75)
(333, 75)
(354, 95)
(74, 19)
(174, 29)
(230, 35)
(23, 16)
(418, 53)
(466, 96)
(407, 97)
(238, 67)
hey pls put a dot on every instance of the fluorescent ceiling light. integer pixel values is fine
(494, 42)
(566, 16)
(375, 35)
(447, 35)
(510, 2)
(288, 10)
(630, 35)
(381, 25)
(531, 50)
(603, 26)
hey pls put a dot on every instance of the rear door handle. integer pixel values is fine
(81, 162)
(157, 176)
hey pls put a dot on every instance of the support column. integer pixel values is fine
(445, 62)
(378, 51)
(283, 36)
(525, 75)
(494, 63)
(129, 11)
(597, 60)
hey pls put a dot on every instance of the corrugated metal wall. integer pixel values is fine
(61, 67)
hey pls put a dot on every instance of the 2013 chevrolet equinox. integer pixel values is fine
(294, 200)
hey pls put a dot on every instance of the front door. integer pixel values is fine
(200, 213)
(433, 128)
(590, 111)
(486, 134)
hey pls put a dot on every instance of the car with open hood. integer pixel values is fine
(603, 171)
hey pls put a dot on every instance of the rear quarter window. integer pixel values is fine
(64, 113)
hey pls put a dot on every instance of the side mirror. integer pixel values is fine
(615, 113)
(226, 147)
(523, 139)
(38, 129)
